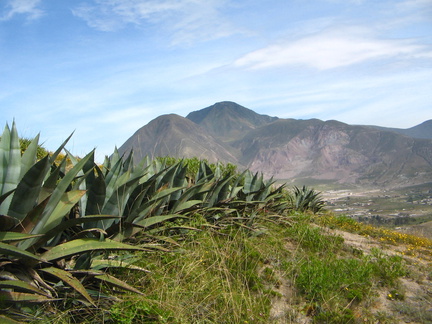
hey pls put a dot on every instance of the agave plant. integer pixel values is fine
(307, 199)
(43, 242)
(61, 224)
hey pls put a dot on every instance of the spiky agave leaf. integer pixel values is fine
(70, 280)
(83, 245)
(23, 286)
(24, 256)
(10, 163)
(58, 203)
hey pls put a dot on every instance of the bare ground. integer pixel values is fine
(410, 303)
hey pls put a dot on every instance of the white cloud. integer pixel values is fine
(327, 50)
(22, 7)
(186, 20)
(415, 4)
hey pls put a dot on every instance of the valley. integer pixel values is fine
(408, 210)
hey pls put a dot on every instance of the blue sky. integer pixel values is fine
(105, 68)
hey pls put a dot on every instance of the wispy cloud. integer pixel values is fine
(21, 7)
(186, 20)
(328, 50)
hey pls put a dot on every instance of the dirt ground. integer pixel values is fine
(411, 303)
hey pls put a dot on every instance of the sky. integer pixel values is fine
(104, 68)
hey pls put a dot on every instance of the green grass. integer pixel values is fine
(237, 275)
(213, 278)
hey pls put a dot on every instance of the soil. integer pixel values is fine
(411, 302)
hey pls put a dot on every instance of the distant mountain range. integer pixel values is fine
(291, 149)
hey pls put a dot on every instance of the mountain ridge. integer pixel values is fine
(290, 149)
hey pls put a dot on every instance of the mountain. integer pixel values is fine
(290, 149)
(228, 121)
(331, 150)
(173, 135)
(424, 130)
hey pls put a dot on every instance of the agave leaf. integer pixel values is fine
(96, 232)
(42, 283)
(249, 182)
(204, 173)
(129, 231)
(6, 195)
(67, 201)
(147, 222)
(62, 186)
(185, 205)
(85, 245)
(21, 286)
(4, 154)
(60, 148)
(7, 320)
(112, 176)
(7, 222)
(118, 283)
(32, 218)
(140, 169)
(30, 156)
(220, 192)
(70, 223)
(191, 194)
(13, 236)
(236, 186)
(51, 181)
(90, 178)
(57, 203)
(96, 194)
(103, 264)
(143, 192)
(175, 175)
(115, 157)
(158, 199)
(151, 246)
(118, 200)
(70, 280)
(11, 167)
(128, 163)
(25, 256)
(28, 189)
(20, 297)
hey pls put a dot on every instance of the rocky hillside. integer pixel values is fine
(291, 149)
(173, 135)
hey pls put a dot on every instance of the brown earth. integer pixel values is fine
(412, 303)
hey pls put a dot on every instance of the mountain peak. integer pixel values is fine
(173, 135)
(226, 120)
(291, 149)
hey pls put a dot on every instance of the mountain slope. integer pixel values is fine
(173, 135)
(228, 121)
(423, 130)
(332, 150)
(290, 149)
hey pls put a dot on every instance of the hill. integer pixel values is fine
(173, 135)
(228, 121)
(293, 150)
(289, 270)
(423, 130)
(331, 150)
